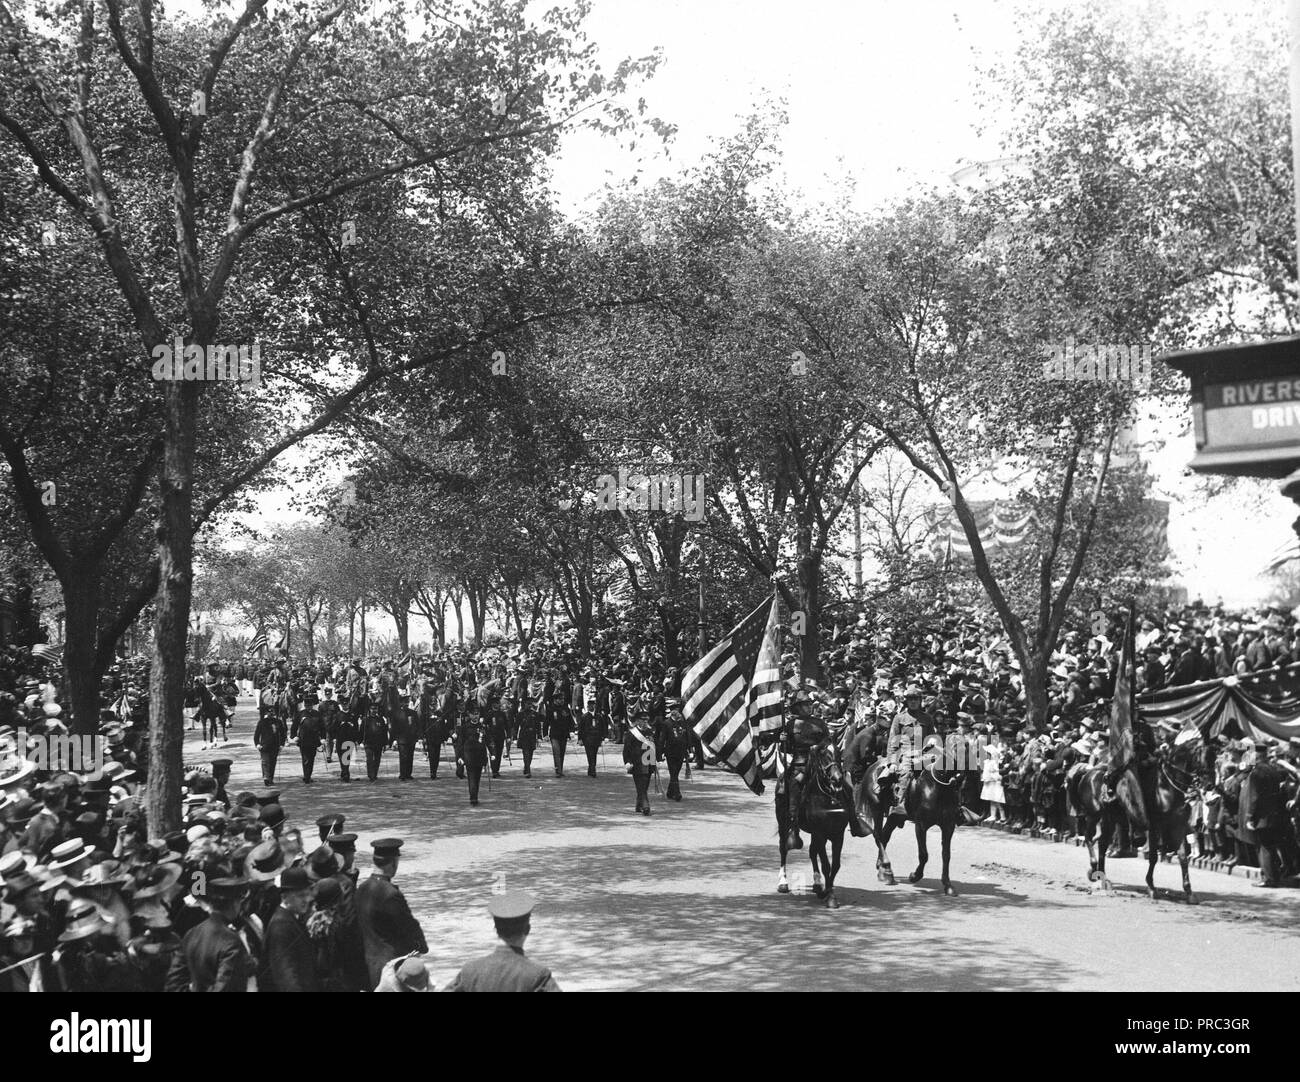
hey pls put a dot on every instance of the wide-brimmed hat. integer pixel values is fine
(84, 920)
(107, 873)
(323, 862)
(155, 881)
(68, 854)
(15, 771)
(265, 862)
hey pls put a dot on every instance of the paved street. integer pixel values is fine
(687, 899)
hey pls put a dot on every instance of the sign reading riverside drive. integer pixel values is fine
(1252, 413)
(1245, 406)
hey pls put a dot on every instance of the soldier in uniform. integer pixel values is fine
(639, 755)
(592, 730)
(496, 730)
(526, 733)
(328, 710)
(507, 969)
(404, 734)
(310, 733)
(374, 734)
(802, 730)
(559, 722)
(272, 731)
(1263, 815)
(388, 930)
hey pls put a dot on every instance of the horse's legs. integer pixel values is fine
(1184, 855)
(1088, 828)
(782, 886)
(817, 857)
(882, 829)
(1105, 831)
(945, 831)
(837, 845)
(922, 854)
(1153, 855)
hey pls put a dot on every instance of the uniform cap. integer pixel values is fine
(511, 906)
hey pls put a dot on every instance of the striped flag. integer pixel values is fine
(259, 643)
(734, 692)
(45, 652)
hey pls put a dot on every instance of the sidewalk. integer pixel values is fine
(1206, 863)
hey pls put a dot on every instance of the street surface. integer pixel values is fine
(687, 899)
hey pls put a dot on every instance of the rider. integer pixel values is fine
(908, 733)
(801, 731)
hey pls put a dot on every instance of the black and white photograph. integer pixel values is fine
(628, 496)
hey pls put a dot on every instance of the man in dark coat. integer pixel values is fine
(352, 953)
(374, 734)
(310, 734)
(559, 721)
(592, 730)
(272, 731)
(212, 957)
(288, 955)
(388, 930)
(639, 755)
(1262, 814)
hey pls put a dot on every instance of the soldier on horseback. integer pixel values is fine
(908, 733)
(803, 730)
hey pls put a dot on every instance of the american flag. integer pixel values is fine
(734, 692)
(257, 644)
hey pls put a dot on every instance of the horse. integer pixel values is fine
(946, 783)
(822, 817)
(1163, 781)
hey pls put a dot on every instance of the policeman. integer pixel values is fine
(311, 731)
(388, 930)
(374, 734)
(507, 969)
(272, 731)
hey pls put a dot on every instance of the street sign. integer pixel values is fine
(1245, 406)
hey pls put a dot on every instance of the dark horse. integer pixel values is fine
(938, 792)
(1163, 780)
(822, 817)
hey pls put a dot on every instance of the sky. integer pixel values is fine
(882, 94)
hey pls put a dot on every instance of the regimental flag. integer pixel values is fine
(1122, 711)
(259, 643)
(734, 692)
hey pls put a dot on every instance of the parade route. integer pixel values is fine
(686, 900)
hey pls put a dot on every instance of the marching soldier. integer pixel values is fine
(559, 722)
(328, 712)
(388, 930)
(272, 731)
(310, 732)
(405, 735)
(496, 730)
(526, 733)
(374, 734)
(639, 754)
(592, 731)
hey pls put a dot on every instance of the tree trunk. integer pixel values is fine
(1034, 673)
(363, 629)
(81, 602)
(352, 626)
(810, 603)
(402, 621)
(171, 609)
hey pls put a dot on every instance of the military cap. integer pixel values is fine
(513, 905)
(386, 847)
(330, 821)
(218, 764)
(267, 796)
(412, 975)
